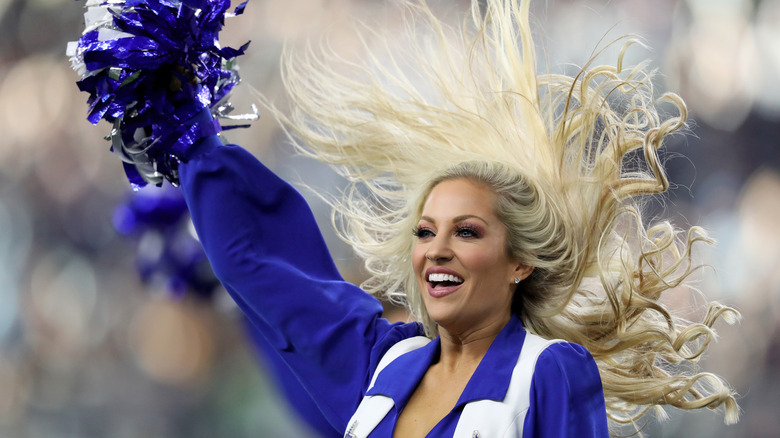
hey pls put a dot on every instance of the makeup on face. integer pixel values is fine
(460, 256)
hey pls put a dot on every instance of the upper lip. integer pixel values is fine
(440, 270)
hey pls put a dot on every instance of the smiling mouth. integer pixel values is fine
(443, 284)
(444, 280)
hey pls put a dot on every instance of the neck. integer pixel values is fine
(466, 348)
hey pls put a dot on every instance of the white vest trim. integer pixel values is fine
(374, 408)
(479, 419)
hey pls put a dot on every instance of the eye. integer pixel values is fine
(467, 232)
(422, 232)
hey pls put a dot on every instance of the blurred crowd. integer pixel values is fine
(90, 347)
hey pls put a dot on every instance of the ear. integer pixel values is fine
(522, 271)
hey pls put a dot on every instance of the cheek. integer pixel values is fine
(479, 257)
(488, 265)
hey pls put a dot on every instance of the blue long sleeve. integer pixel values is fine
(264, 246)
(567, 398)
(295, 394)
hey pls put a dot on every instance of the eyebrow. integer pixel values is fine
(456, 219)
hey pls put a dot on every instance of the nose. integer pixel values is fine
(439, 249)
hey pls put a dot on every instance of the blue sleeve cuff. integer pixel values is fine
(208, 142)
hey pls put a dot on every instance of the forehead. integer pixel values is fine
(458, 197)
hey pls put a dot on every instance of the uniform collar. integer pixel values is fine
(490, 380)
(401, 376)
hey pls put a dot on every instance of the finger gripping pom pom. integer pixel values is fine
(150, 67)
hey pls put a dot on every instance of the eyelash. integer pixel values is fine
(472, 230)
(418, 232)
(422, 232)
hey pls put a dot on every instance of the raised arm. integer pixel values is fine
(265, 247)
(155, 70)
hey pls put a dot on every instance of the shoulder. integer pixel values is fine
(566, 354)
(566, 394)
(546, 355)
(569, 368)
(564, 358)
(397, 333)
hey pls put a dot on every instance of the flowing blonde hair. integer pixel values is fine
(586, 150)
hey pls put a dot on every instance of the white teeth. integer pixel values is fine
(438, 278)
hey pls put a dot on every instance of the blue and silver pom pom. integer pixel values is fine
(151, 66)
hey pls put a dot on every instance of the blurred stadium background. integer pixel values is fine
(88, 350)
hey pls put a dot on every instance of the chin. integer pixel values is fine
(442, 317)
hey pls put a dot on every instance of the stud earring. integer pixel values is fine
(517, 280)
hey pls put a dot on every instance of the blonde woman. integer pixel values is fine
(501, 207)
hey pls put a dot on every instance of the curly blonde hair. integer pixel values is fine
(571, 160)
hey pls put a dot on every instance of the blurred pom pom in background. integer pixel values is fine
(168, 253)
